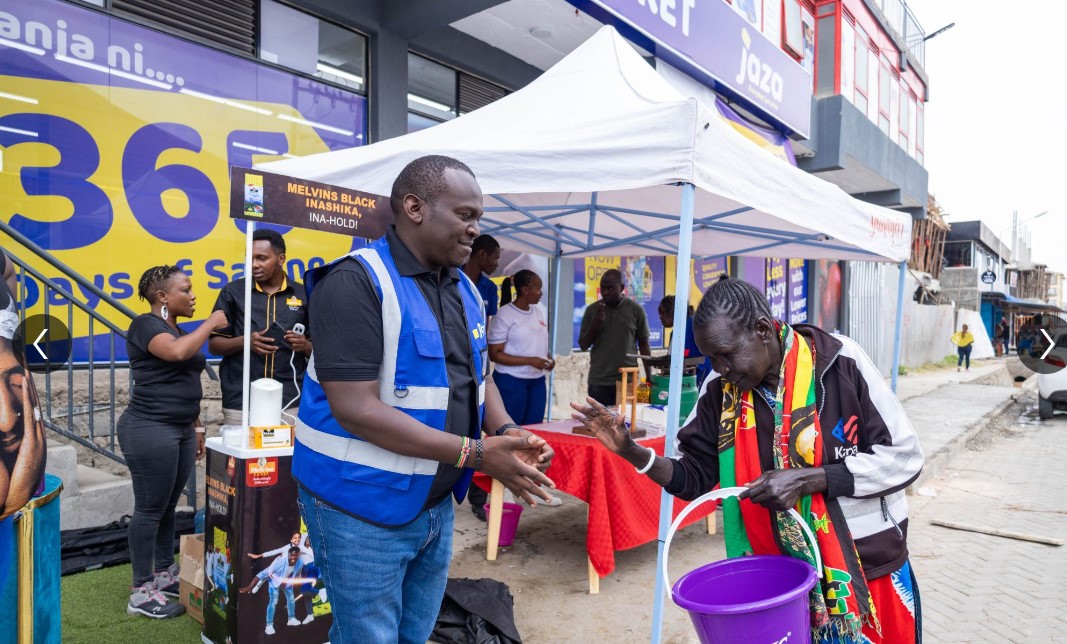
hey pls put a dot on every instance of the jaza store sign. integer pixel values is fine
(711, 42)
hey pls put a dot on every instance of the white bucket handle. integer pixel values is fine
(723, 493)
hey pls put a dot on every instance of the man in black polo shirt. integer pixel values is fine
(274, 298)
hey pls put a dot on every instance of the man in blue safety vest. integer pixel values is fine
(395, 402)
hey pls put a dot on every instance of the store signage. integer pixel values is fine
(117, 142)
(712, 43)
(989, 277)
(276, 199)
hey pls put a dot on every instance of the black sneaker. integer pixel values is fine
(146, 600)
(479, 512)
(166, 582)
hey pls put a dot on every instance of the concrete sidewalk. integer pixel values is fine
(981, 588)
(546, 567)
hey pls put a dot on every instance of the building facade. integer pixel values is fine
(147, 103)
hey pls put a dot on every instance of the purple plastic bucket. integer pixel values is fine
(760, 599)
(509, 522)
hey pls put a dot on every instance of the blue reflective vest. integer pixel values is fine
(354, 475)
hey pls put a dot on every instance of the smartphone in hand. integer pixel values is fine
(277, 332)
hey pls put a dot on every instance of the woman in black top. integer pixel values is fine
(160, 432)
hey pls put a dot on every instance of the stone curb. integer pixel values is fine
(937, 461)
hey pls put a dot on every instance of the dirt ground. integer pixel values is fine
(546, 570)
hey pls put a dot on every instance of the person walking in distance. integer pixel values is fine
(964, 342)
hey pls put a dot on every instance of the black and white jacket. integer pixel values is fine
(871, 453)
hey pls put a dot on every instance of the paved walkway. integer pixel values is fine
(981, 588)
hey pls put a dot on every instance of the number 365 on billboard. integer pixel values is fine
(116, 143)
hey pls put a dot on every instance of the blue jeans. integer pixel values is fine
(524, 398)
(965, 354)
(272, 602)
(385, 584)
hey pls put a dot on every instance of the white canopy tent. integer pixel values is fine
(589, 158)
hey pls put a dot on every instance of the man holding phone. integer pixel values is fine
(279, 316)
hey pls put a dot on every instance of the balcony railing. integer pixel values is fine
(907, 27)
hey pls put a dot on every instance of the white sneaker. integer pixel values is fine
(322, 595)
(308, 619)
(293, 622)
(269, 630)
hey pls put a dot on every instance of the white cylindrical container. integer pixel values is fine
(265, 403)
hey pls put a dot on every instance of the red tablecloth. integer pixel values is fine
(623, 505)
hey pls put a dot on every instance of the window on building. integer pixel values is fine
(438, 93)
(919, 132)
(904, 118)
(825, 58)
(884, 98)
(861, 55)
(431, 89)
(316, 47)
(894, 104)
(848, 58)
(342, 56)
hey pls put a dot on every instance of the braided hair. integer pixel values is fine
(155, 279)
(520, 279)
(737, 300)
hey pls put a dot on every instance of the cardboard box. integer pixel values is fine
(191, 576)
(270, 436)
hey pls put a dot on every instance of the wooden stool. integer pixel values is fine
(627, 393)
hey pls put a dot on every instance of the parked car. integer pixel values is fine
(1052, 387)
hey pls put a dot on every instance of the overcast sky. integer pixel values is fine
(995, 120)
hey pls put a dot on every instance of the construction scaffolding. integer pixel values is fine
(928, 249)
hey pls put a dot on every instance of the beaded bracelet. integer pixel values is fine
(478, 455)
(464, 452)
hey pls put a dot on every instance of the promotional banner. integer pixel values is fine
(705, 273)
(798, 292)
(117, 142)
(276, 199)
(776, 287)
(644, 279)
(753, 270)
(259, 563)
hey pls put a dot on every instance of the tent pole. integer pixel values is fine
(553, 324)
(674, 395)
(899, 324)
(250, 227)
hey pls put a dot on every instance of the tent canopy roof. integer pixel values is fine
(585, 160)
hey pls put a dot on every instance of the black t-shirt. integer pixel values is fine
(162, 390)
(346, 323)
(287, 306)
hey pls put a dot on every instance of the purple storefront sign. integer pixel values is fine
(753, 270)
(712, 43)
(798, 292)
(708, 270)
(776, 287)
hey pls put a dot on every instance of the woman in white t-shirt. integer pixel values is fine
(518, 344)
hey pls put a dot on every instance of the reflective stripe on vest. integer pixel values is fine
(352, 474)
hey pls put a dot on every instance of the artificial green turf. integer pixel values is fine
(94, 610)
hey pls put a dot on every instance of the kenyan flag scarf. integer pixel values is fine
(841, 603)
